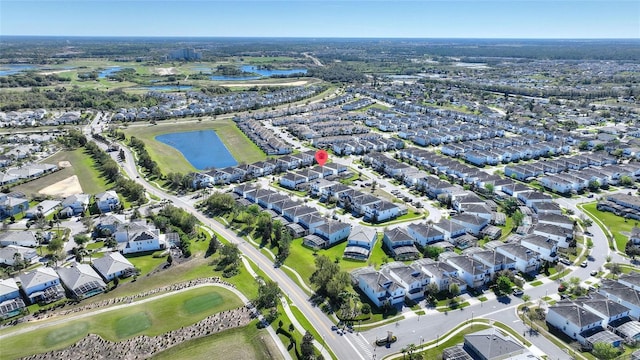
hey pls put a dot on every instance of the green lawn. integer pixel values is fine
(152, 318)
(242, 343)
(146, 263)
(618, 225)
(82, 166)
(302, 259)
(170, 159)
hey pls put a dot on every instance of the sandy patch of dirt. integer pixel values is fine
(51, 72)
(64, 188)
(64, 164)
(165, 71)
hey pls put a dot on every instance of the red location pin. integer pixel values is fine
(321, 157)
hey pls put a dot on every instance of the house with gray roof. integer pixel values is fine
(11, 303)
(113, 265)
(475, 273)
(526, 260)
(622, 294)
(81, 281)
(360, 243)
(412, 280)
(489, 344)
(400, 244)
(380, 289)
(547, 248)
(425, 234)
(42, 285)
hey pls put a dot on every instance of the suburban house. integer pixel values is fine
(495, 261)
(42, 285)
(489, 344)
(13, 204)
(441, 273)
(400, 244)
(74, 204)
(563, 236)
(333, 232)
(475, 273)
(380, 289)
(81, 281)
(10, 255)
(107, 201)
(526, 260)
(412, 280)
(113, 265)
(558, 220)
(424, 234)
(545, 247)
(138, 236)
(360, 243)
(449, 229)
(11, 303)
(107, 225)
(580, 323)
(622, 294)
(20, 238)
(43, 209)
(472, 223)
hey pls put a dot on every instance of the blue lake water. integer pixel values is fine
(261, 73)
(106, 72)
(203, 149)
(11, 69)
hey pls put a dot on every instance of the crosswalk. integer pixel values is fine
(363, 345)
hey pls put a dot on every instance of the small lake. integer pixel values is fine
(12, 69)
(261, 73)
(203, 149)
(104, 73)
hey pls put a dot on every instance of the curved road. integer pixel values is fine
(414, 329)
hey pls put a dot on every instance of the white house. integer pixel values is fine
(137, 237)
(113, 265)
(380, 289)
(425, 234)
(412, 280)
(575, 321)
(472, 271)
(547, 248)
(8, 290)
(526, 260)
(42, 285)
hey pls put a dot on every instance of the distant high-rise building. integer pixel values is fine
(185, 54)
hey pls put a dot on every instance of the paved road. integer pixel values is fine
(342, 348)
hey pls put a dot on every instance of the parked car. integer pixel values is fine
(593, 273)
(565, 261)
(584, 264)
(517, 292)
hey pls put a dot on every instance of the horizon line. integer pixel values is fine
(322, 37)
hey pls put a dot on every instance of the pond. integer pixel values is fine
(203, 149)
(11, 69)
(253, 73)
(106, 72)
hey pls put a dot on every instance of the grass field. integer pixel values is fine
(152, 318)
(82, 166)
(619, 226)
(243, 343)
(170, 159)
(302, 259)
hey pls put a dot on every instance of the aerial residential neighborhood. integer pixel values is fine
(362, 192)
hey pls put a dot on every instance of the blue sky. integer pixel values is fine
(328, 18)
